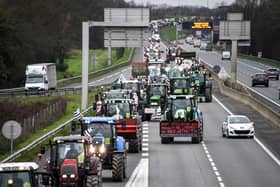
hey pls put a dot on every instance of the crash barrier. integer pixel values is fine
(15, 92)
(49, 134)
(241, 93)
(99, 72)
(35, 121)
(41, 139)
(56, 92)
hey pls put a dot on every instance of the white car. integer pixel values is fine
(226, 55)
(238, 125)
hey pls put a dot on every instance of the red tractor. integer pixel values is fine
(128, 124)
(72, 163)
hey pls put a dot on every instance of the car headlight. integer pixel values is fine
(231, 128)
(72, 176)
(64, 176)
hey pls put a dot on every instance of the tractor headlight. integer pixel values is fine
(102, 149)
(91, 149)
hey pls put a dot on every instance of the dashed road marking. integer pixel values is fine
(213, 165)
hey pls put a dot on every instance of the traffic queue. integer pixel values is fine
(166, 90)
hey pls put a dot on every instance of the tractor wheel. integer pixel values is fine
(195, 140)
(133, 146)
(164, 140)
(144, 117)
(92, 181)
(118, 167)
(208, 95)
(99, 173)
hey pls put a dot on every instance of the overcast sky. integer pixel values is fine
(211, 3)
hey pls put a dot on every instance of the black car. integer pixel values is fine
(273, 73)
(260, 79)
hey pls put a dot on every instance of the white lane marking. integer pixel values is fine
(222, 184)
(145, 144)
(266, 150)
(145, 125)
(145, 140)
(145, 128)
(145, 136)
(145, 154)
(214, 168)
(145, 132)
(140, 175)
(267, 98)
(253, 67)
(145, 149)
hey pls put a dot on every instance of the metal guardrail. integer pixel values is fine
(60, 91)
(40, 140)
(13, 92)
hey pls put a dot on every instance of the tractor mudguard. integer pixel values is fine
(120, 144)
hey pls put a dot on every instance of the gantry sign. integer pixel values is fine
(236, 30)
(123, 27)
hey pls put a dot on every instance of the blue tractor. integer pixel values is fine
(106, 144)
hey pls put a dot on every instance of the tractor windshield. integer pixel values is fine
(15, 178)
(121, 109)
(115, 95)
(180, 84)
(131, 86)
(181, 104)
(102, 129)
(198, 77)
(70, 150)
(157, 90)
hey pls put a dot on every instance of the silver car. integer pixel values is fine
(238, 125)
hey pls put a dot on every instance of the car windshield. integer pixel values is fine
(34, 79)
(21, 178)
(261, 76)
(238, 119)
(74, 150)
(118, 108)
(272, 70)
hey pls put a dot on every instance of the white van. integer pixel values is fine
(226, 55)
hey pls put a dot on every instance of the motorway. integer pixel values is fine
(245, 69)
(216, 162)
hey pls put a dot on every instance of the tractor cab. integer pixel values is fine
(120, 108)
(17, 174)
(180, 86)
(181, 107)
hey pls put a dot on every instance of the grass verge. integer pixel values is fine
(73, 102)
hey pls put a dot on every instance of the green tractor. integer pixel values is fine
(155, 101)
(180, 86)
(202, 85)
(182, 118)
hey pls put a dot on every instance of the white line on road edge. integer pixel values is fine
(140, 175)
(270, 154)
